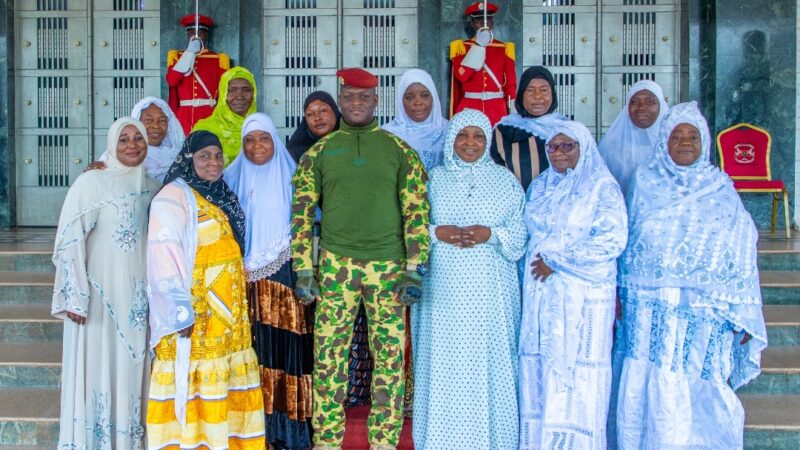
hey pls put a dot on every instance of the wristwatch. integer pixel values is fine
(421, 269)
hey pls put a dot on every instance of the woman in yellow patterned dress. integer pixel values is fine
(204, 387)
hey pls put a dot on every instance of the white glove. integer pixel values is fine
(195, 46)
(185, 63)
(475, 57)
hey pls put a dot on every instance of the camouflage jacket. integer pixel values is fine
(371, 187)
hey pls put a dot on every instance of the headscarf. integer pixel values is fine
(564, 197)
(217, 192)
(225, 123)
(689, 230)
(303, 138)
(529, 75)
(466, 118)
(625, 146)
(265, 193)
(160, 158)
(541, 126)
(425, 137)
(114, 166)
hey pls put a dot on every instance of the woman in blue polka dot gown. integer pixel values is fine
(465, 327)
(576, 218)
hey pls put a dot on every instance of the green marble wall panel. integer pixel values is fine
(7, 168)
(755, 82)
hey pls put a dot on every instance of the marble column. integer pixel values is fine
(7, 160)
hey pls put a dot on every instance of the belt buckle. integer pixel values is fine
(484, 96)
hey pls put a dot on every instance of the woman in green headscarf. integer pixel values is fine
(237, 94)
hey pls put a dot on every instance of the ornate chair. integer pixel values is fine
(744, 152)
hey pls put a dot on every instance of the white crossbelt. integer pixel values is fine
(199, 102)
(483, 95)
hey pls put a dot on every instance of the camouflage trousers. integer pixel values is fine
(344, 282)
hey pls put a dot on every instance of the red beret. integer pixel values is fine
(476, 9)
(356, 77)
(205, 22)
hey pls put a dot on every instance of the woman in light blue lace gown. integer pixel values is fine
(692, 330)
(576, 219)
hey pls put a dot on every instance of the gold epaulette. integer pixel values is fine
(510, 51)
(225, 61)
(457, 48)
(172, 57)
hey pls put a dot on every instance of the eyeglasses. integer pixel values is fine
(565, 147)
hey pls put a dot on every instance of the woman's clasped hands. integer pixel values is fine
(464, 237)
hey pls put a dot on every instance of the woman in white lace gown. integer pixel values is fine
(692, 329)
(576, 219)
(100, 292)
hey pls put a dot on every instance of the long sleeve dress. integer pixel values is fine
(689, 289)
(99, 257)
(578, 226)
(465, 328)
(204, 390)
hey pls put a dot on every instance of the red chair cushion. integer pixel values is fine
(744, 152)
(758, 185)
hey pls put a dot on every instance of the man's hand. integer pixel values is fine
(307, 289)
(409, 288)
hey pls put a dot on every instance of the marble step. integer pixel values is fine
(25, 287)
(29, 323)
(29, 416)
(26, 257)
(778, 253)
(30, 364)
(780, 287)
(771, 421)
(780, 372)
(783, 325)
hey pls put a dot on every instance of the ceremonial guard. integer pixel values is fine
(483, 72)
(193, 75)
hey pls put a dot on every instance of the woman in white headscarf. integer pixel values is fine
(418, 117)
(692, 330)
(577, 224)
(100, 293)
(261, 176)
(465, 328)
(632, 137)
(164, 136)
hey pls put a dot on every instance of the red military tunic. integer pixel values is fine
(187, 98)
(470, 88)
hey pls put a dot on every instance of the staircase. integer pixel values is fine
(30, 346)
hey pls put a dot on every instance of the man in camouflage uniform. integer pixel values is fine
(371, 188)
